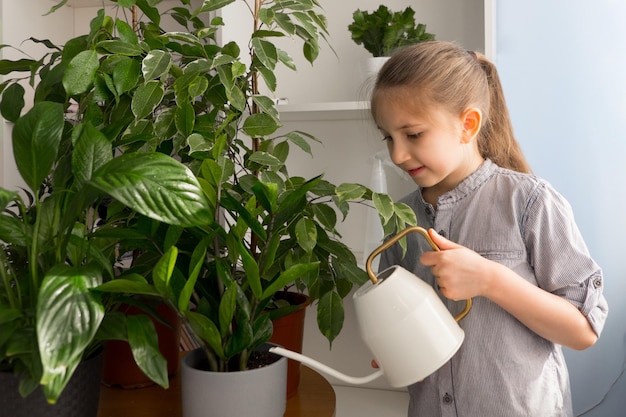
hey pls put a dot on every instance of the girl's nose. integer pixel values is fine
(398, 152)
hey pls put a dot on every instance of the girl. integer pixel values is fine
(507, 238)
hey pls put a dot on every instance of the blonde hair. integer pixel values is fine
(447, 75)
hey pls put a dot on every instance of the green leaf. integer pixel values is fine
(260, 124)
(80, 72)
(142, 338)
(129, 286)
(157, 186)
(289, 276)
(405, 213)
(306, 234)
(156, 64)
(125, 31)
(12, 102)
(36, 140)
(348, 191)
(227, 308)
(251, 268)
(21, 65)
(147, 97)
(126, 75)
(384, 205)
(330, 315)
(92, 150)
(196, 266)
(266, 52)
(68, 316)
(212, 5)
(120, 48)
(163, 270)
(266, 194)
(207, 331)
(185, 118)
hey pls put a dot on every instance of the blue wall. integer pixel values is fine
(563, 66)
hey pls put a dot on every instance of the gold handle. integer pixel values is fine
(394, 239)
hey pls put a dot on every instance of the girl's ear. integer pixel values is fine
(471, 119)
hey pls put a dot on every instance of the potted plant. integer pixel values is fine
(150, 90)
(52, 315)
(383, 31)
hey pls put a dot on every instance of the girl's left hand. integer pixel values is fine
(460, 272)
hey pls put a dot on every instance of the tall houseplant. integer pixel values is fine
(268, 229)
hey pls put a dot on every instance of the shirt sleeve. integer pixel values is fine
(560, 257)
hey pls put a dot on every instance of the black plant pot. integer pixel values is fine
(79, 399)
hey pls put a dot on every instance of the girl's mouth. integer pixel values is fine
(415, 171)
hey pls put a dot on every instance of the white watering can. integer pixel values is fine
(403, 322)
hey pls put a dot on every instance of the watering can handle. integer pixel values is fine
(394, 239)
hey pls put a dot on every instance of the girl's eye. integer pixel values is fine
(413, 135)
(387, 138)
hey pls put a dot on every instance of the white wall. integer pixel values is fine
(17, 24)
(562, 65)
(335, 78)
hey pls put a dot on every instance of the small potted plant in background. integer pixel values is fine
(382, 31)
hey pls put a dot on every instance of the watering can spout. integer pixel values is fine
(318, 366)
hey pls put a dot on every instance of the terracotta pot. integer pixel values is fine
(289, 333)
(120, 368)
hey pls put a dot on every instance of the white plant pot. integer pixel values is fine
(370, 68)
(258, 392)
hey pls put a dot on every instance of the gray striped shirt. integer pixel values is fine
(503, 369)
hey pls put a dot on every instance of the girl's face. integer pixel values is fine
(434, 146)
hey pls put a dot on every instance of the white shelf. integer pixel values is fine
(342, 110)
(85, 3)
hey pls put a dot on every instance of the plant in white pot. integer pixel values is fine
(383, 31)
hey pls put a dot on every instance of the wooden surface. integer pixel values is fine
(315, 398)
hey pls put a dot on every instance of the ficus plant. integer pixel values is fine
(148, 91)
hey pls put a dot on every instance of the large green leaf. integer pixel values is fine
(36, 139)
(68, 316)
(144, 345)
(157, 186)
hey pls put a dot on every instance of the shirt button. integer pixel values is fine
(447, 398)
(597, 283)
(442, 233)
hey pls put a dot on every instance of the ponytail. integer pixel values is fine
(497, 141)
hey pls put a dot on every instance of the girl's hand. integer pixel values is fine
(460, 272)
